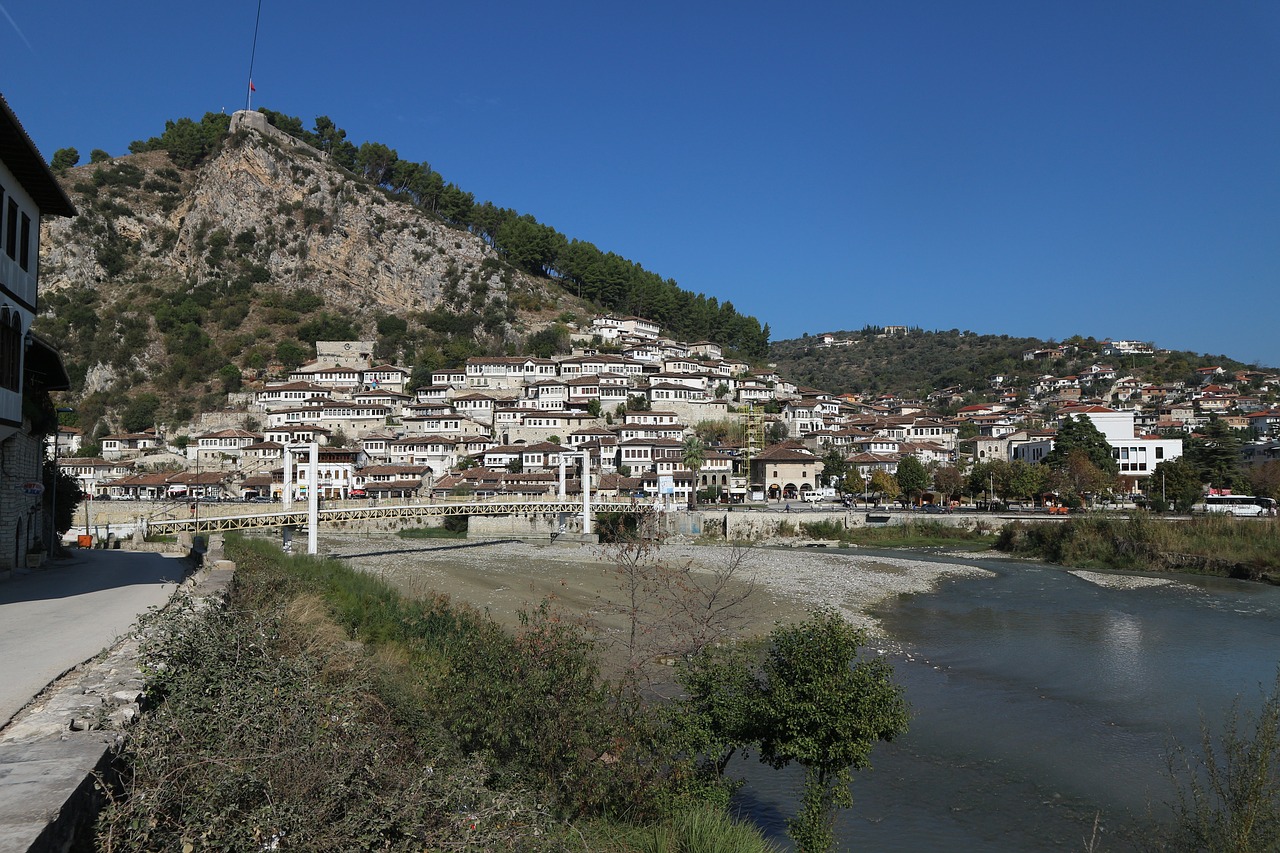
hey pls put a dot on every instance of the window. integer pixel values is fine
(10, 350)
(1159, 452)
(11, 230)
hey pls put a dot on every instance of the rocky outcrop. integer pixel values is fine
(282, 206)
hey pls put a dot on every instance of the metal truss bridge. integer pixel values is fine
(408, 512)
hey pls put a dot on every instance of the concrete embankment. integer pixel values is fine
(739, 524)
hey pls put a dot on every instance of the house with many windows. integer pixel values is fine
(29, 367)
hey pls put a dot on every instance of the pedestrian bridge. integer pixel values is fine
(407, 512)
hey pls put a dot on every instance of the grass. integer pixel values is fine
(694, 831)
(1215, 545)
(915, 534)
(430, 533)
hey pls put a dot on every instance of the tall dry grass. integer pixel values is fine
(1219, 545)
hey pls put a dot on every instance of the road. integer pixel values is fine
(53, 619)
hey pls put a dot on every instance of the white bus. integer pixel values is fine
(1230, 504)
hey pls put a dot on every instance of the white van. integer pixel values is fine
(812, 497)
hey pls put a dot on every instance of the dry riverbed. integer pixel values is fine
(507, 577)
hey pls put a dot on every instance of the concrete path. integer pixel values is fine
(60, 616)
(51, 751)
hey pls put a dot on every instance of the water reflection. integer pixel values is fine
(1042, 699)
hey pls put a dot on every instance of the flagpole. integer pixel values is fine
(248, 95)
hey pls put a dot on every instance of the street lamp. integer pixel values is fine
(53, 498)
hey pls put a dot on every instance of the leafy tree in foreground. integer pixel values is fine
(693, 453)
(948, 480)
(1177, 482)
(1215, 453)
(883, 485)
(1265, 480)
(1025, 481)
(803, 694)
(825, 709)
(835, 467)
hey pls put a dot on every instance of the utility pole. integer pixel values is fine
(53, 498)
(586, 492)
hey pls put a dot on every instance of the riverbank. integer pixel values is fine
(504, 578)
(1240, 548)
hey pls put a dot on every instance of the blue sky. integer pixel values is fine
(1031, 168)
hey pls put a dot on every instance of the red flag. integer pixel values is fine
(252, 88)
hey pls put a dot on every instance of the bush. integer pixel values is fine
(700, 831)
(429, 533)
(825, 529)
(320, 710)
(1242, 548)
(266, 731)
(1228, 794)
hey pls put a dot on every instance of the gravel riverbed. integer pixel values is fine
(504, 578)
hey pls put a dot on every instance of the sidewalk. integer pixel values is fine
(69, 684)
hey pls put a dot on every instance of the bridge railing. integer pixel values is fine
(299, 517)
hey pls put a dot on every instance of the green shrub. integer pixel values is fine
(430, 533)
(697, 831)
(1244, 548)
(825, 529)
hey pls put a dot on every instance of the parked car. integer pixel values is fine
(934, 509)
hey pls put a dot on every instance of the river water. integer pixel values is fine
(1041, 700)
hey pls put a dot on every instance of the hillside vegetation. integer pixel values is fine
(914, 363)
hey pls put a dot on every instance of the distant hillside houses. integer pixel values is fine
(505, 424)
(1121, 348)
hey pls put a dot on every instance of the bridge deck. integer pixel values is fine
(298, 517)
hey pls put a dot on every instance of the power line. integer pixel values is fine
(248, 93)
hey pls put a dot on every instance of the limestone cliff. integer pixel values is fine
(170, 275)
(312, 224)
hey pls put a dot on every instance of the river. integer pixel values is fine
(1042, 699)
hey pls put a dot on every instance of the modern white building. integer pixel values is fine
(1136, 455)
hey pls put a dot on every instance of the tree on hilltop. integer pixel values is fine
(63, 159)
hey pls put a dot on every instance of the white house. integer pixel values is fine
(29, 366)
(217, 448)
(385, 377)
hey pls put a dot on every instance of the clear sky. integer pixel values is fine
(1042, 168)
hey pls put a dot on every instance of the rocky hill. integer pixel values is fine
(180, 283)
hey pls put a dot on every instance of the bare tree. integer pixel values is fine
(669, 610)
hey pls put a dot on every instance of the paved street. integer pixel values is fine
(53, 619)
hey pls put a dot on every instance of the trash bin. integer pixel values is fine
(84, 540)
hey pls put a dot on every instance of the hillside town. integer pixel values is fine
(625, 401)
(642, 413)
